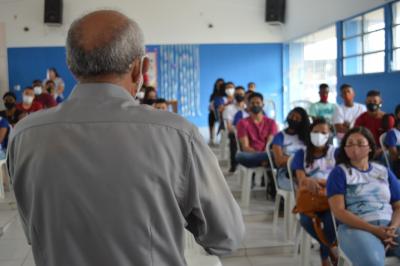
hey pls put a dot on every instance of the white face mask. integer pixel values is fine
(140, 95)
(38, 90)
(319, 139)
(230, 92)
(27, 99)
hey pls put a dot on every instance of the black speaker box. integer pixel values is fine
(53, 11)
(275, 11)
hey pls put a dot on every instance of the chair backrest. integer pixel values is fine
(271, 162)
(291, 179)
(384, 149)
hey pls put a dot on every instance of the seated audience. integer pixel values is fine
(346, 114)
(28, 105)
(392, 142)
(251, 86)
(311, 167)
(245, 112)
(4, 132)
(52, 91)
(161, 104)
(372, 119)
(323, 108)
(59, 85)
(42, 96)
(254, 132)
(228, 115)
(365, 197)
(221, 100)
(11, 113)
(150, 96)
(288, 142)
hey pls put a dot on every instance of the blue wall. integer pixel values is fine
(239, 63)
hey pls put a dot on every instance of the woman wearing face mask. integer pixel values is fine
(288, 141)
(365, 197)
(11, 113)
(224, 97)
(312, 167)
(28, 105)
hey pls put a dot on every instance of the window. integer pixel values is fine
(396, 36)
(364, 43)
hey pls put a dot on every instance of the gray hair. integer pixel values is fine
(114, 57)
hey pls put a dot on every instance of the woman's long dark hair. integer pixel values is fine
(54, 70)
(304, 128)
(216, 88)
(310, 147)
(342, 157)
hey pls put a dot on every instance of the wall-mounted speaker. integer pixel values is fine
(275, 11)
(53, 11)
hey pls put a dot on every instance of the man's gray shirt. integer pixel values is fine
(101, 180)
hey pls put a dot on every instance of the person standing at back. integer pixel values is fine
(126, 180)
(323, 108)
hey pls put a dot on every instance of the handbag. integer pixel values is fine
(309, 203)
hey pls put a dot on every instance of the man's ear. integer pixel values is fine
(136, 64)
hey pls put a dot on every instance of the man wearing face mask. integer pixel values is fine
(28, 105)
(323, 108)
(42, 96)
(126, 181)
(254, 132)
(346, 114)
(228, 115)
(372, 119)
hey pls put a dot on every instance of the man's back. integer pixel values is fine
(119, 185)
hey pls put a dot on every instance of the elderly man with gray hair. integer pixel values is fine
(126, 180)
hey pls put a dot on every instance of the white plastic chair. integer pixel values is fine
(280, 193)
(195, 254)
(304, 239)
(384, 149)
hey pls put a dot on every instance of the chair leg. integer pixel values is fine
(305, 249)
(287, 218)
(276, 210)
(246, 188)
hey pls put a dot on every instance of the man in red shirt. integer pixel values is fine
(254, 132)
(372, 119)
(42, 96)
(28, 105)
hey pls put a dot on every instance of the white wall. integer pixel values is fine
(163, 21)
(3, 61)
(307, 16)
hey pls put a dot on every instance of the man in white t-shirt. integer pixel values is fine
(228, 116)
(346, 114)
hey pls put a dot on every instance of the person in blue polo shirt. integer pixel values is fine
(365, 197)
(312, 167)
(288, 142)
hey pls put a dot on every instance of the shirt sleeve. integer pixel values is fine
(241, 129)
(213, 216)
(238, 116)
(394, 187)
(298, 160)
(3, 123)
(338, 116)
(278, 139)
(313, 110)
(336, 184)
(274, 128)
(390, 139)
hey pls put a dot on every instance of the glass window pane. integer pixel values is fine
(374, 63)
(396, 60)
(352, 46)
(352, 27)
(396, 36)
(374, 20)
(352, 65)
(396, 13)
(374, 41)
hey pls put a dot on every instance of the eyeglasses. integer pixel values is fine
(359, 145)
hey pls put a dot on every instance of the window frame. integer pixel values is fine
(393, 47)
(362, 37)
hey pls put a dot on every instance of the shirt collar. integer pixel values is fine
(100, 90)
